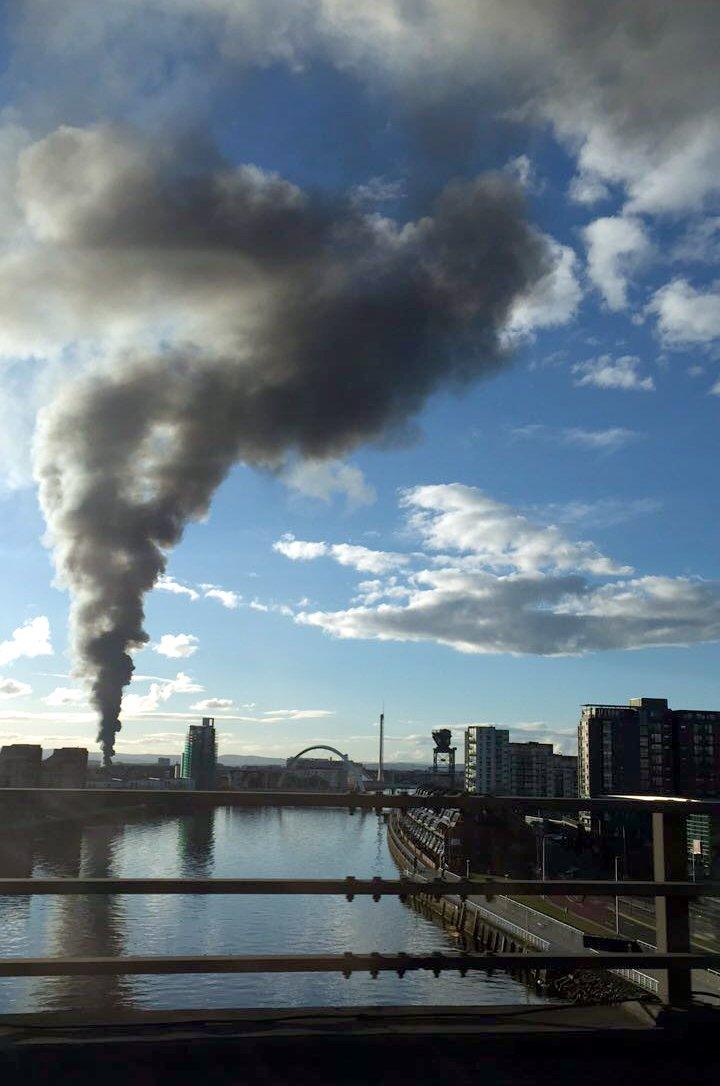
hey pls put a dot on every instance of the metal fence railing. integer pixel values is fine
(673, 957)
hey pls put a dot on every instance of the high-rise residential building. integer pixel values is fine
(535, 770)
(20, 765)
(199, 760)
(646, 748)
(487, 760)
(564, 773)
(530, 769)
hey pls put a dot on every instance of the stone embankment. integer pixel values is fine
(483, 925)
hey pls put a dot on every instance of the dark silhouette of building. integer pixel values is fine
(444, 755)
(199, 760)
(563, 768)
(65, 768)
(20, 765)
(645, 748)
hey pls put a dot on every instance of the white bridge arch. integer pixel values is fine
(356, 779)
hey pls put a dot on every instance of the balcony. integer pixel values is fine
(392, 1037)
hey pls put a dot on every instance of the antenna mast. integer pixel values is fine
(380, 772)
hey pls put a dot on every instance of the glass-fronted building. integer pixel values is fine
(199, 760)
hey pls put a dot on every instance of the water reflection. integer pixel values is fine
(196, 844)
(86, 925)
(223, 843)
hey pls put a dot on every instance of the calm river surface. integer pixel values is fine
(221, 843)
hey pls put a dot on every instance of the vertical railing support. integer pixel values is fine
(672, 914)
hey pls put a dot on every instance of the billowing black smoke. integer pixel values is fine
(297, 325)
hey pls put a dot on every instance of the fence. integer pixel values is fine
(670, 888)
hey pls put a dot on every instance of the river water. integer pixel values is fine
(225, 842)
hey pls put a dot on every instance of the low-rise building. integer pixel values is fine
(65, 768)
(20, 765)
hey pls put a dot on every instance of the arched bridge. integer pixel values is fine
(354, 772)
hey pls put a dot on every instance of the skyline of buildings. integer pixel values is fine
(646, 748)
(496, 766)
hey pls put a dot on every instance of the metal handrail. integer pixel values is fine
(671, 890)
(351, 887)
(340, 963)
(368, 801)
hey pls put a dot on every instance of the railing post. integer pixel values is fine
(672, 914)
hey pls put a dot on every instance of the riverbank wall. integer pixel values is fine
(502, 925)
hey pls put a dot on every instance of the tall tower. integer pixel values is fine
(199, 758)
(444, 755)
(381, 754)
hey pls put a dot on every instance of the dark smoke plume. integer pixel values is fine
(326, 328)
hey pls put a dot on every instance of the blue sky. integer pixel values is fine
(542, 537)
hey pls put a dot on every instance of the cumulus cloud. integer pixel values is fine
(323, 479)
(536, 614)
(166, 583)
(67, 696)
(208, 704)
(553, 300)
(363, 559)
(687, 316)
(226, 596)
(613, 373)
(510, 585)
(625, 85)
(494, 536)
(159, 693)
(176, 645)
(615, 247)
(29, 640)
(11, 688)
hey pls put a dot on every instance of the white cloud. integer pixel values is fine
(169, 584)
(356, 557)
(208, 704)
(608, 440)
(271, 608)
(686, 315)
(616, 246)
(67, 696)
(494, 536)
(536, 614)
(553, 300)
(225, 596)
(159, 693)
(366, 560)
(297, 714)
(30, 640)
(614, 437)
(513, 586)
(175, 646)
(588, 188)
(11, 688)
(299, 550)
(601, 513)
(322, 479)
(613, 373)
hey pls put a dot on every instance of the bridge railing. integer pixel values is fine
(670, 888)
